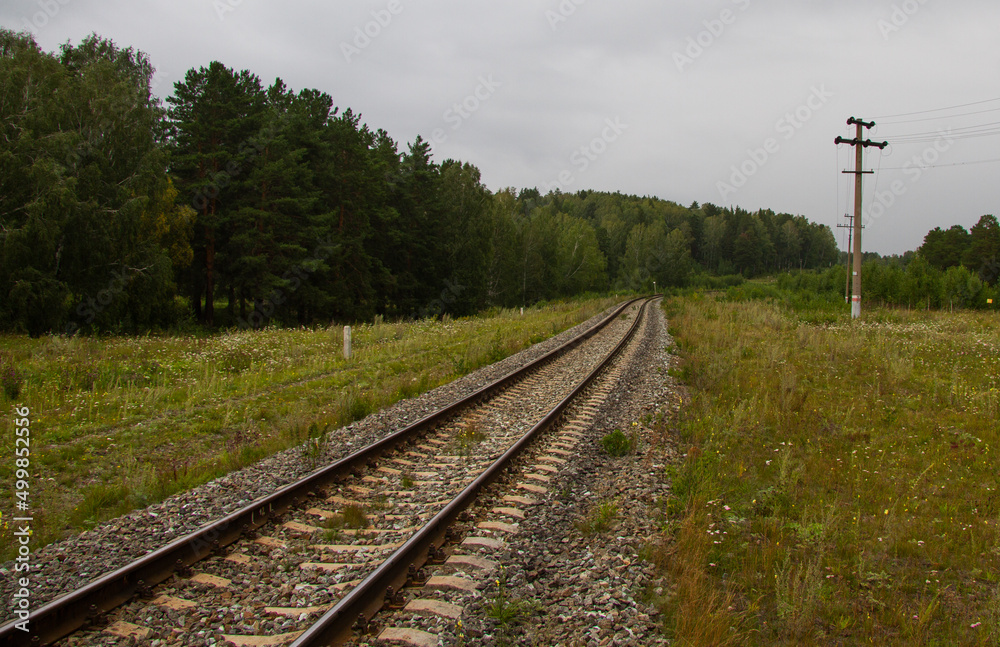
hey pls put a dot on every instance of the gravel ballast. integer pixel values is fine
(63, 566)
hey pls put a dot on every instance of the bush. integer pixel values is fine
(617, 444)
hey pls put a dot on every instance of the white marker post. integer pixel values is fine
(347, 342)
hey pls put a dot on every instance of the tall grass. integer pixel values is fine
(842, 484)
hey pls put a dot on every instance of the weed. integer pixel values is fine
(358, 407)
(600, 518)
(468, 438)
(355, 517)
(504, 608)
(332, 535)
(102, 501)
(235, 360)
(315, 448)
(406, 481)
(617, 444)
(798, 591)
(379, 503)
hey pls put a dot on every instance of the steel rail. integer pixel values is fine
(67, 613)
(337, 625)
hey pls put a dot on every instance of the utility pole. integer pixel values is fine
(859, 144)
(850, 238)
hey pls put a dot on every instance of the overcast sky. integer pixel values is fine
(734, 102)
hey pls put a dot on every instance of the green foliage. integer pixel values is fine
(617, 444)
(280, 208)
(600, 518)
(505, 609)
(818, 297)
(468, 438)
(983, 253)
(945, 249)
(87, 218)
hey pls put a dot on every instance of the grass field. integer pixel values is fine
(119, 423)
(841, 479)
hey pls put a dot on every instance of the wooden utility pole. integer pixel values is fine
(859, 144)
(850, 239)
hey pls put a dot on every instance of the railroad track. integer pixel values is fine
(320, 557)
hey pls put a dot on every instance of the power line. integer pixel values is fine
(959, 129)
(965, 132)
(878, 174)
(905, 168)
(932, 138)
(925, 112)
(964, 114)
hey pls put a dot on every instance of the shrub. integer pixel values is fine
(617, 444)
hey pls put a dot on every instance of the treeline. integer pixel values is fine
(952, 269)
(648, 239)
(956, 268)
(244, 204)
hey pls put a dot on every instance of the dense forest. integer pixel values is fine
(239, 204)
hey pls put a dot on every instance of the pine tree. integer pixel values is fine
(216, 119)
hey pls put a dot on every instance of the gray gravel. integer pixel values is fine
(65, 565)
(566, 586)
(593, 588)
(289, 577)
